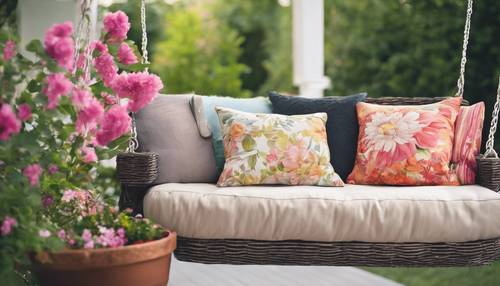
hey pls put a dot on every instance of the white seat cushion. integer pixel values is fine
(352, 213)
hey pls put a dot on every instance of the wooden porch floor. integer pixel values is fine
(186, 274)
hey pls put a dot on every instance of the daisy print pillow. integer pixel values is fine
(405, 145)
(275, 149)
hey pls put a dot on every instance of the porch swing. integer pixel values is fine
(137, 172)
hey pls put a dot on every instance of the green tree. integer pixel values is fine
(411, 48)
(199, 53)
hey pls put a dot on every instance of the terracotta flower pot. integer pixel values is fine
(139, 264)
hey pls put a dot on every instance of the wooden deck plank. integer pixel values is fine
(183, 273)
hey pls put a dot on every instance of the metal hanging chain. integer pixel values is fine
(82, 34)
(144, 33)
(490, 152)
(133, 144)
(461, 78)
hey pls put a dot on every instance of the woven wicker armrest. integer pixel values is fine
(488, 173)
(136, 173)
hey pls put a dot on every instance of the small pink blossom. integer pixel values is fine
(61, 234)
(109, 99)
(47, 201)
(59, 45)
(24, 112)
(126, 55)
(106, 68)
(53, 169)
(9, 51)
(9, 124)
(68, 196)
(89, 155)
(89, 116)
(44, 233)
(86, 235)
(99, 46)
(116, 122)
(57, 86)
(89, 244)
(116, 25)
(109, 238)
(80, 97)
(7, 225)
(33, 172)
(141, 88)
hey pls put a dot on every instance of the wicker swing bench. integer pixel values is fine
(194, 210)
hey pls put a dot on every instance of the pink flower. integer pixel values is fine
(110, 238)
(61, 234)
(68, 196)
(272, 158)
(126, 55)
(89, 116)
(9, 124)
(59, 45)
(53, 169)
(106, 68)
(99, 46)
(9, 50)
(109, 99)
(57, 86)
(89, 244)
(44, 233)
(116, 25)
(87, 235)
(7, 225)
(33, 172)
(47, 201)
(139, 87)
(116, 122)
(89, 155)
(24, 112)
(80, 97)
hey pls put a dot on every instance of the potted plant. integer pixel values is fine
(59, 115)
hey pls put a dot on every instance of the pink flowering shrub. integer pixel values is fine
(55, 126)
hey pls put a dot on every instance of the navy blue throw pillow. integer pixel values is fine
(342, 125)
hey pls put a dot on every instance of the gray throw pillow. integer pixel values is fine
(167, 127)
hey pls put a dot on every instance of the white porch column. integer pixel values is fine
(308, 41)
(36, 16)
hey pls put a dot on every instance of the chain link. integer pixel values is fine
(133, 144)
(461, 78)
(490, 152)
(144, 33)
(82, 39)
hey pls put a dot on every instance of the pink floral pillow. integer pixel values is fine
(468, 133)
(405, 145)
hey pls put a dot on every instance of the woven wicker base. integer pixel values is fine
(137, 169)
(294, 252)
(489, 172)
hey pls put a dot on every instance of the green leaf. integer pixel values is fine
(252, 161)
(248, 143)
(35, 46)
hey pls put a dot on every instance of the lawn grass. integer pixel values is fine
(442, 276)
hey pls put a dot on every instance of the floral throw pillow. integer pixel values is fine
(468, 133)
(405, 145)
(275, 149)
